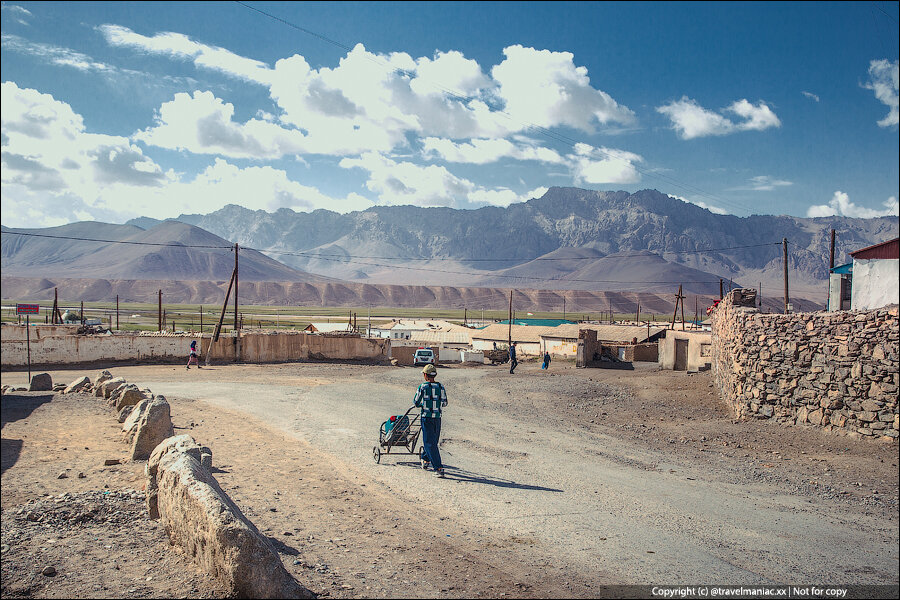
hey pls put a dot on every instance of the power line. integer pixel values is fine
(355, 260)
(559, 137)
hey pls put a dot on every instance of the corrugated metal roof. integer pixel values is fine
(885, 250)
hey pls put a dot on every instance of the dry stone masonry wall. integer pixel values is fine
(835, 370)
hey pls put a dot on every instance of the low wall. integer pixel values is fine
(57, 345)
(836, 370)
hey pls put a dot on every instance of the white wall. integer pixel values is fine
(876, 283)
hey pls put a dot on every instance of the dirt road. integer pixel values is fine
(558, 482)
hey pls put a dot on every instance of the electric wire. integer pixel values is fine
(356, 260)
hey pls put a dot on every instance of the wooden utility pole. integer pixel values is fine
(787, 297)
(564, 308)
(82, 313)
(509, 341)
(637, 316)
(159, 318)
(117, 312)
(679, 299)
(218, 329)
(201, 320)
(236, 323)
(831, 256)
(721, 289)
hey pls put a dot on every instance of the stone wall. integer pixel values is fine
(836, 370)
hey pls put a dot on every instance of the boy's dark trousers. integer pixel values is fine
(431, 433)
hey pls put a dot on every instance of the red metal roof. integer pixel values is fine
(889, 249)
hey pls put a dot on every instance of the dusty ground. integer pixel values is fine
(661, 482)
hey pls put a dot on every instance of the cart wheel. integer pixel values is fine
(376, 454)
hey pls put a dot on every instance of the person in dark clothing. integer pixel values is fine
(546, 363)
(513, 363)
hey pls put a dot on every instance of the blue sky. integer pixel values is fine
(117, 110)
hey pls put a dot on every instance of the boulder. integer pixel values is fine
(108, 387)
(79, 385)
(124, 413)
(127, 395)
(131, 421)
(154, 425)
(198, 516)
(178, 443)
(102, 377)
(42, 382)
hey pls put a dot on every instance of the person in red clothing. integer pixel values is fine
(193, 357)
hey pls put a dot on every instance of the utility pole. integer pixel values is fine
(201, 320)
(117, 312)
(509, 341)
(236, 325)
(721, 289)
(787, 297)
(564, 306)
(831, 259)
(159, 311)
(637, 317)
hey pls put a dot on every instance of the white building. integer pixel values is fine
(876, 276)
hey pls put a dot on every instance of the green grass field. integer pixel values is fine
(143, 316)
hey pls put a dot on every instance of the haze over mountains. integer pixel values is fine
(615, 248)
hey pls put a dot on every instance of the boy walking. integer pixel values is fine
(431, 397)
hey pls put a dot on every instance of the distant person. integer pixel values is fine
(513, 363)
(546, 364)
(495, 345)
(193, 357)
(431, 397)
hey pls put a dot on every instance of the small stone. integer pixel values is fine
(62, 475)
(32, 516)
(112, 461)
(81, 475)
(49, 571)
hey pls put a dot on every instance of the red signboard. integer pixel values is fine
(28, 309)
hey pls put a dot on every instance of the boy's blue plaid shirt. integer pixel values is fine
(431, 397)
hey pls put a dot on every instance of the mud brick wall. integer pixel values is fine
(836, 370)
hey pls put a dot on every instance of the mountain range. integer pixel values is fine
(596, 249)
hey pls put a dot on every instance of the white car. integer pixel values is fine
(424, 356)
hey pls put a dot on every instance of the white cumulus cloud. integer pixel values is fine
(840, 205)
(690, 120)
(203, 124)
(883, 80)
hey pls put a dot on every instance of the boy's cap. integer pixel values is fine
(429, 370)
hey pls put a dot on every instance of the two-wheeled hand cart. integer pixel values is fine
(399, 435)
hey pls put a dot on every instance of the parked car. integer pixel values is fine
(424, 356)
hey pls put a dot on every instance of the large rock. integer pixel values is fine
(79, 385)
(180, 443)
(102, 376)
(109, 387)
(154, 425)
(42, 382)
(127, 395)
(130, 424)
(198, 516)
